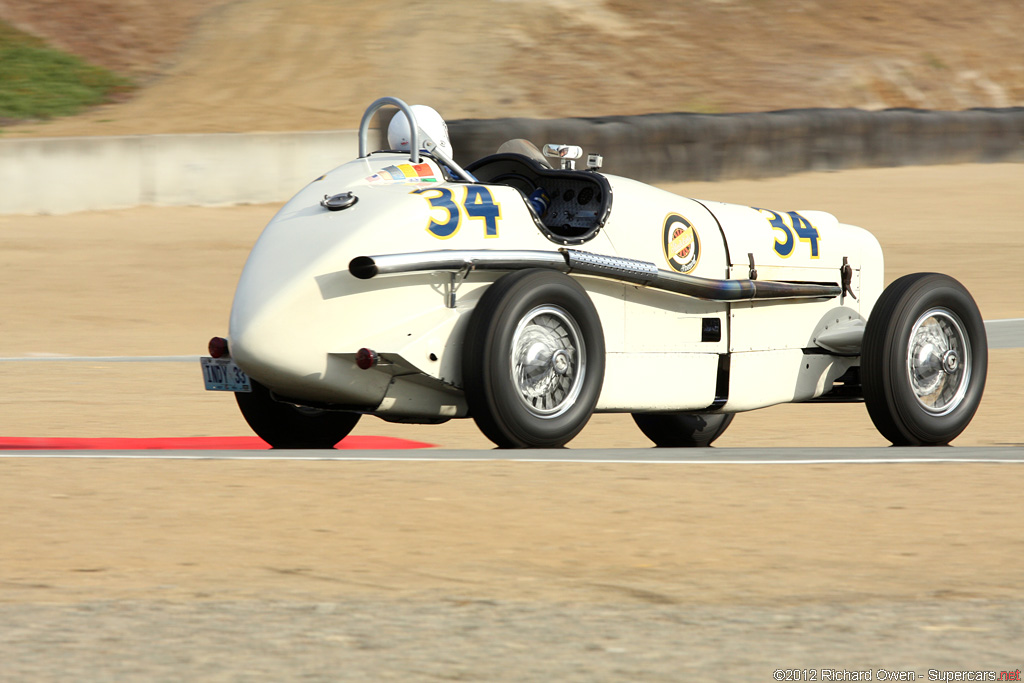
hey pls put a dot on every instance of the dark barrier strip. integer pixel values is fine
(667, 147)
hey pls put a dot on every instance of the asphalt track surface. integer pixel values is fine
(1005, 334)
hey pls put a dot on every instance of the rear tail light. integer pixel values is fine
(366, 358)
(218, 347)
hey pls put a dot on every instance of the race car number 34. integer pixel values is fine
(221, 374)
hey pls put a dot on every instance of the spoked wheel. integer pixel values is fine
(682, 430)
(924, 360)
(283, 425)
(533, 361)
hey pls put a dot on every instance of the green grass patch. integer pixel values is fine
(39, 82)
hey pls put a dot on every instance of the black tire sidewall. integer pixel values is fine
(683, 430)
(283, 425)
(492, 396)
(889, 396)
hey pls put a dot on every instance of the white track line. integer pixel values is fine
(100, 359)
(504, 458)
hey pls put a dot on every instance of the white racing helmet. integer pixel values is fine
(429, 122)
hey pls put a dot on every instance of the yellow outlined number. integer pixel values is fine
(802, 228)
(441, 229)
(478, 204)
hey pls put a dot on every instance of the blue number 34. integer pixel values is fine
(478, 204)
(800, 226)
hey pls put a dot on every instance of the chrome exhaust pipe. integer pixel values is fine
(366, 267)
(641, 273)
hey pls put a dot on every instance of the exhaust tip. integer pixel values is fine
(363, 267)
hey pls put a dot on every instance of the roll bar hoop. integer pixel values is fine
(364, 127)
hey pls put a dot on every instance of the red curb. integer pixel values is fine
(192, 443)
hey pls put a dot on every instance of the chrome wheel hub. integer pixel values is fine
(548, 361)
(939, 361)
(950, 362)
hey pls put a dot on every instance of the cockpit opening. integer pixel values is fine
(578, 202)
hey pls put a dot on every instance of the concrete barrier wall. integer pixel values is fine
(59, 175)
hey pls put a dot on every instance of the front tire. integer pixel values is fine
(283, 425)
(682, 430)
(533, 360)
(924, 360)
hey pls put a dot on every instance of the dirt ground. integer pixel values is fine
(86, 530)
(247, 65)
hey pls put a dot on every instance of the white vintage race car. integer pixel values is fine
(529, 295)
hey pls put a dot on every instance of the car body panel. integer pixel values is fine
(300, 315)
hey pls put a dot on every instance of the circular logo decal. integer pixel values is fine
(681, 243)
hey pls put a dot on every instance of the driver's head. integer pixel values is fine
(430, 123)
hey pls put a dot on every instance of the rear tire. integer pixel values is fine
(924, 360)
(683, 430)
(283, 425)
(533, 360)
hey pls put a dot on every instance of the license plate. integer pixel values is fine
(221, 374)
